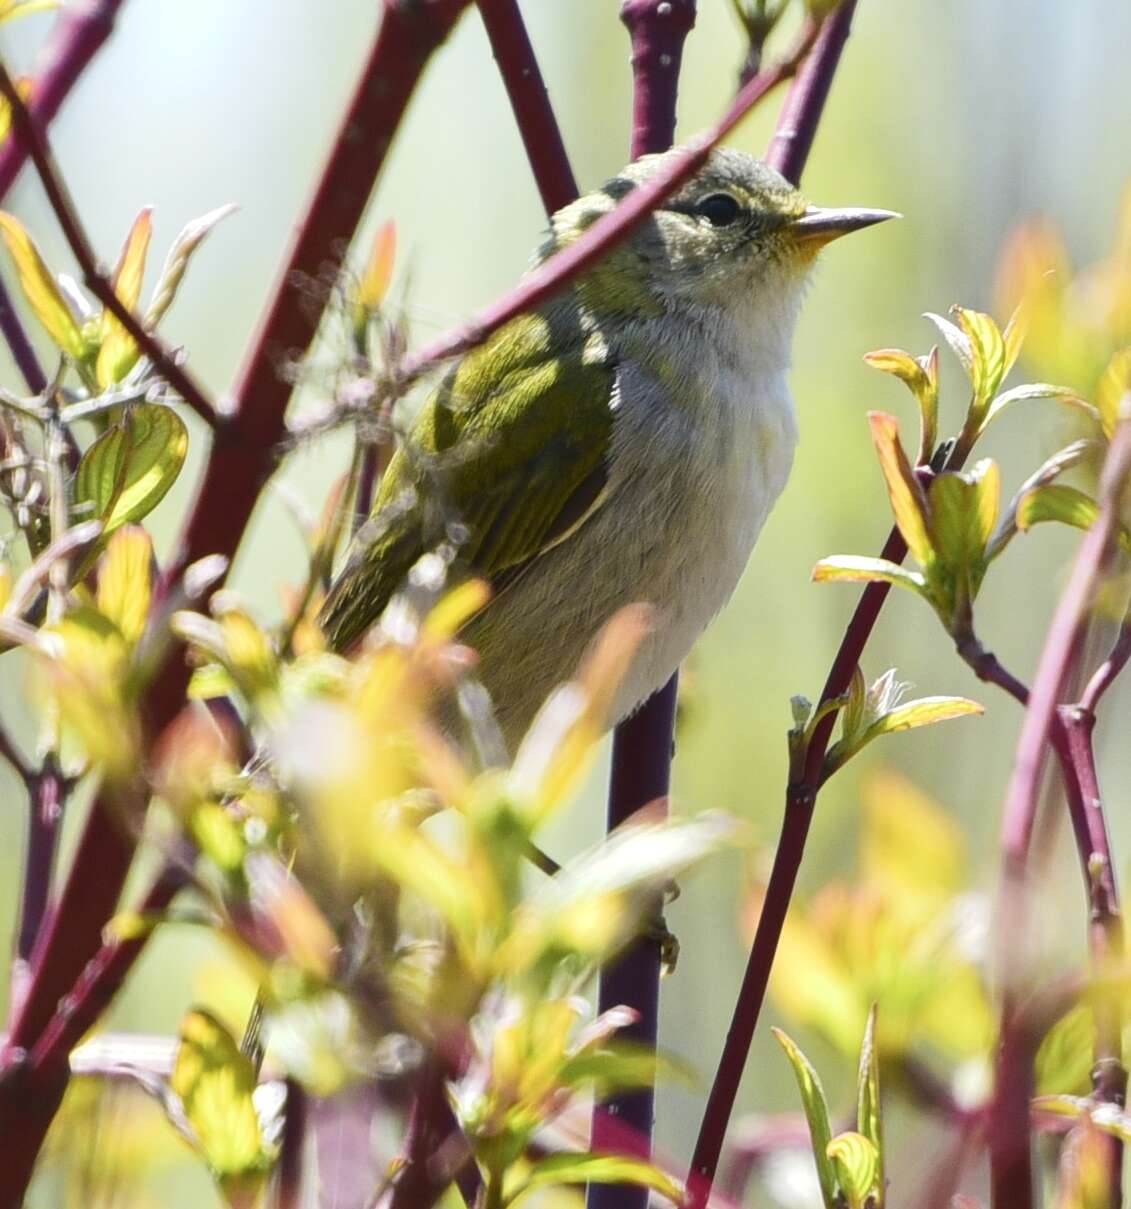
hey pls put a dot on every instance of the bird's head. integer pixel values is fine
(737, 233)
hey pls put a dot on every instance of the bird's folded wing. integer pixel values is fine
(509, 454)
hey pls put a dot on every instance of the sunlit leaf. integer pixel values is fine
(987, 350)
(173, 270)
(1085, 1167)
(589, 1168)
(925, 711)
(857, 1166)
(816, 1113)
(908, 501)
(1067, 1054)
(125, 581)
(1056, 502)
(1014, 335)
(911, 849)
(41, 290)
(11, 9)
(1113, 388)
(215, 1082)
(1037, 390)
(859, 569)
(957, 339)
(118, 352)
(921, 374)
(375, 278)
(24, 86)
(869, 1111)
(126, 472)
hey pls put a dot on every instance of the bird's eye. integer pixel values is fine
(719, 209)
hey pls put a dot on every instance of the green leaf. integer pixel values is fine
(854, 568)
(173, 270)
(923, 712)
(1056, 502)
(987, 348)
(869, 1114)
(1014, 335)
(125, 581)
(1064, 459)
(964, 510)
(126, 472)
(118, 353)
(41, 290)
(1036, 390)
(621, 1066)
(957, 340)
(215, 1082)
(908, 501)
(857, 1167)
(921, 375)
(588, 1168)
(1114, 385)
(816, 1113)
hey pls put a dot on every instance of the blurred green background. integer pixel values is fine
(965, 116)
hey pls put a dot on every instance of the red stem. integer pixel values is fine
(242, 457)
(800, 801)
(642, 744)
(658, 29)
(1010, 1168)
(530, 101)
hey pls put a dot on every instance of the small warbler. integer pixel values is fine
(624, 442)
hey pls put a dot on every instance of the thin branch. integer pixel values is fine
(1106, 673)
(530, 101)
(642, 744)
(23, 351)
(65, 214)
(985, 665)
(1011, 1174)
(597, 240)
(76, 38)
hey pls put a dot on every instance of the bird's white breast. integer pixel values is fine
(702, 476)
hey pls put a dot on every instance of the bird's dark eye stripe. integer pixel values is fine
(719, 209)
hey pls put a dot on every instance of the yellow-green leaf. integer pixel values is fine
(1114, 386)
(588, 1168)
(1056, 502)
(816, 1113)
(987, 350)
(374, 283)
(869, 1114)
(857, 1166)
(908, 502)
(853, 568)
(215, 1082)
(173, 270)
(118, 352)
(125, 474)
(125, 581)
(11, 9)
(1036, 390)
(921, 375)
(924, 712)
(40, 288)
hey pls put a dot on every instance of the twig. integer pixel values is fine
(642, 744)
(1108, 670)
(598, 239)
(23, 351)
(76, 38)
(985, 665)
(65, 214)
(1010, 1168)
(530, 101)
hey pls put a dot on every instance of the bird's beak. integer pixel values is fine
(818, 225)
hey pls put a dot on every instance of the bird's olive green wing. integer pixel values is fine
(509, 456)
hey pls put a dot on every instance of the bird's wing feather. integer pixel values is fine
(511, 448)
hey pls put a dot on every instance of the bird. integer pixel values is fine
(622, 442)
